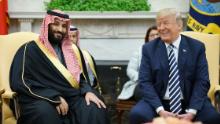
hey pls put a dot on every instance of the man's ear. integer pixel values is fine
(180, 25)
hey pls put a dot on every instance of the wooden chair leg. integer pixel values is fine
(120, 113)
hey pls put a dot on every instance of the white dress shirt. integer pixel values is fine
(176, 45)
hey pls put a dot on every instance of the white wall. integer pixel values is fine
(26, 5)
(108, 36)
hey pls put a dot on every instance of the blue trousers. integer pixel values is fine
(144, 112)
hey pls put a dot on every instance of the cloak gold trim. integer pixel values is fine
(92, 66)
(23, 81)
(68, 76)
(89, 59)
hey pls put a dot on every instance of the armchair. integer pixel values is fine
(211, 42)
(9, 44)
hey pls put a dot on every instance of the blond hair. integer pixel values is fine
(170, 12)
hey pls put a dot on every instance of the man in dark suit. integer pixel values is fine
(173, 76)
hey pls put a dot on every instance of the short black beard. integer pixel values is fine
(52, 39)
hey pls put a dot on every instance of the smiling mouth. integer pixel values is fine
(58, 34)
(163, 34)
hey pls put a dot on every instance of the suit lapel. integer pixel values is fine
(183, 52)
(163, 58)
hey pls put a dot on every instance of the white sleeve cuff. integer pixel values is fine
(159, 109)
(193, 111)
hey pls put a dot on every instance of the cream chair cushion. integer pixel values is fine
(211, 42)
(9, 44)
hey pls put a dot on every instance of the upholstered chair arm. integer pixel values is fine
(1, 92)
(10, 96)
(217, 97)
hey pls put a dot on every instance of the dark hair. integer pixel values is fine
(148, 32)
(51, 12)
(73, 29)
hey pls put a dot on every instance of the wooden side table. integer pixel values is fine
(123, 105)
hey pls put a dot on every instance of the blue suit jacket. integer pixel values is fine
(193, 70)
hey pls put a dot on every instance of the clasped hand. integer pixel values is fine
(187, 116)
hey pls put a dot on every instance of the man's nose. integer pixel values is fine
(161, 27)
(59, 28)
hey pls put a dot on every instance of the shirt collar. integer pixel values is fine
(176, 43)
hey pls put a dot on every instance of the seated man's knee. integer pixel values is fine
(96, 109)
(212, 119)
(39, 112)
(142, 112)
(44, 109)
(137, 116)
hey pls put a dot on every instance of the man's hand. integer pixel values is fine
(92, 97)
(63, 107)
(165, 114)
(187, 116)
